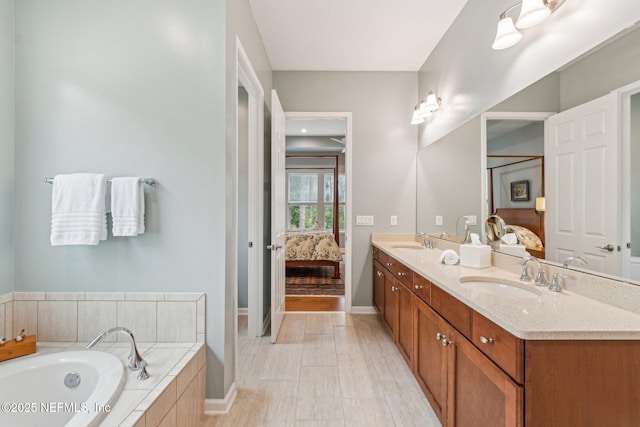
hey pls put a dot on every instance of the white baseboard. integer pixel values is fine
(363, 309)
(243, 311)
(221, 406)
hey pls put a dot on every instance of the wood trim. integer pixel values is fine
(527, 218)
(316, 263)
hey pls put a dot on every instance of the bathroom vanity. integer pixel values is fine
(506, 355)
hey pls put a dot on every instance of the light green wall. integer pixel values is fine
(6, 146)
(126, 89)
(611, 67)
(384, 146)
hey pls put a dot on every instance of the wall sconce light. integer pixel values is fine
(532, 12)
(540, 204)
(427, 106)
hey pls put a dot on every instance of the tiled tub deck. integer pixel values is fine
(169, 331)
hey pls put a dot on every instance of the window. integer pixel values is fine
(304, 205)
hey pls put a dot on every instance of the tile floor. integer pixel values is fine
(327, 369)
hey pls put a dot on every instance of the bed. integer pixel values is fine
(528, 226)
(313, 248)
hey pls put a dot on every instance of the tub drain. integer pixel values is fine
(72, 379)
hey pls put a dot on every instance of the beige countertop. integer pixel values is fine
(541, 315)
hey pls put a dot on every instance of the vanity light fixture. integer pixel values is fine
(532, 12)
(425, 107)
(417, 118)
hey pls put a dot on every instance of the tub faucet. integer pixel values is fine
(136, 362)
(569, 260)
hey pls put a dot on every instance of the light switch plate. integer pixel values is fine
(473, 220)
(364, 220)
(438, 219)
(394, 220)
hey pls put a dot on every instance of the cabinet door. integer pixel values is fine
(378, 287)
(390, 312)
(430, 361)
(480, 393)
(405, 322)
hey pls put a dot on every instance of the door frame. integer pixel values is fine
(348, 116)
(498, 115)
(246, 75)
(624, 104)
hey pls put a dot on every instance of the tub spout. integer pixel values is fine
(136, 362)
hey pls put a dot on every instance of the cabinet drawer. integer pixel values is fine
(380, 256)
(506, 350)
(402, 273)
(455, 312)
(422, 288)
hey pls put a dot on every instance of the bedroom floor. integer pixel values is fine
(327, 369)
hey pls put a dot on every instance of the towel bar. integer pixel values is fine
(148, 181)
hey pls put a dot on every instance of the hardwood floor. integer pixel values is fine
(327, 369)
(314, 303)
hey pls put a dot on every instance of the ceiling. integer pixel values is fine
(316, 127)
(352, 35)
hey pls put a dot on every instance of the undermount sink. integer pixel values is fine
(499, 287)
(407, 246)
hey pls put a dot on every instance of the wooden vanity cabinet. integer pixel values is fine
(394, 301)
(475, 373)
(378, 287)
(480, 393)
(390, 310)
(404, 335)
(430, 366)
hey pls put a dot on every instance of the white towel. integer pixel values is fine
(78, 215)
(510, 239)
(127, 206)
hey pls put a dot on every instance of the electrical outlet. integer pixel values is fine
(473, 220)
(364, 220)
(438, 219)
(394, 220)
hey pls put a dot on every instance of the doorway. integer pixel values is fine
(317, 204)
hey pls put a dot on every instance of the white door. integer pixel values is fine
(278, 206)
(581, 157)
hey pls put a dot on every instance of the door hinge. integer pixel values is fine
(250, 244)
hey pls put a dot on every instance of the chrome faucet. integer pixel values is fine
(136, 362)
(569, 260)
(426, 241)
(541, 278)
(555, 282)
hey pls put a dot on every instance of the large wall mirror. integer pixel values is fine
(516, 160)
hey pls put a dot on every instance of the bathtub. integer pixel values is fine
(33, 390)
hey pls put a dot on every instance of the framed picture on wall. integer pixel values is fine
(519, 191)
